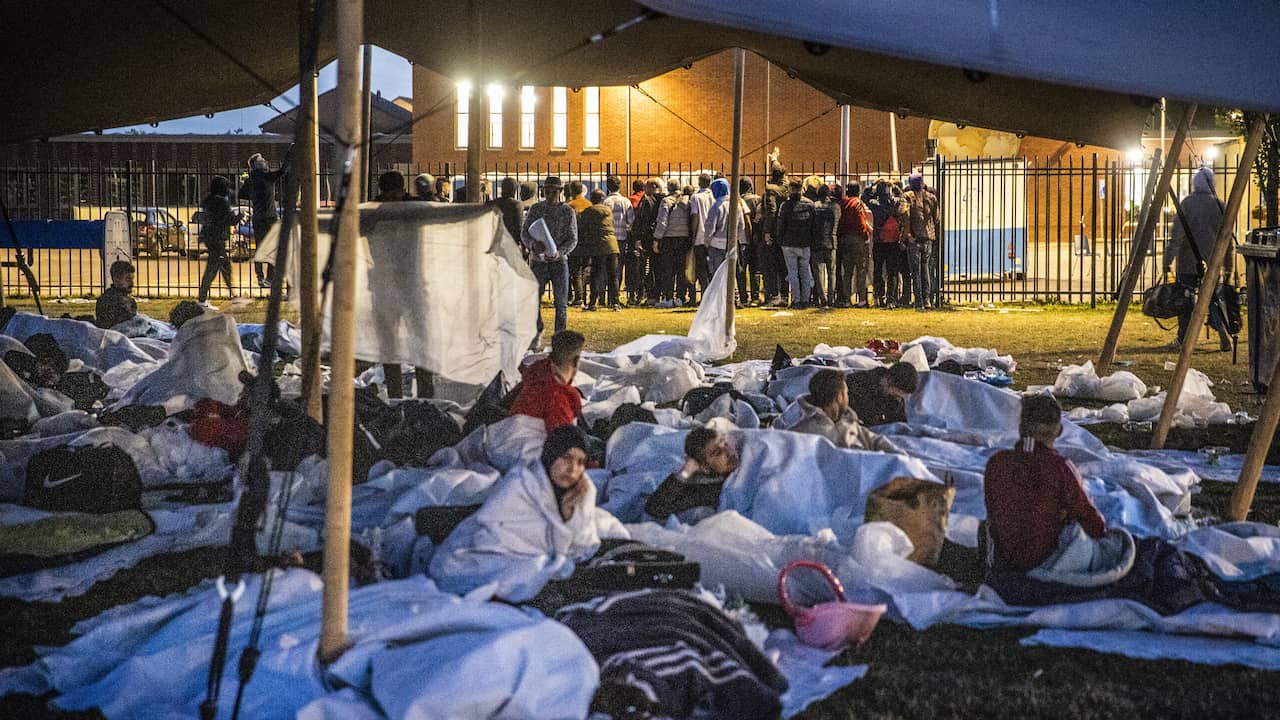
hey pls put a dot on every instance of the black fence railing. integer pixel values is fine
(1013, 229)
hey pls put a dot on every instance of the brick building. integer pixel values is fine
(684, 116)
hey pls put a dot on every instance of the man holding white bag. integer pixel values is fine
(551, 232)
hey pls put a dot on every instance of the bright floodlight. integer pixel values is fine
(495, 93)
(1134, 155)
(1211, 153)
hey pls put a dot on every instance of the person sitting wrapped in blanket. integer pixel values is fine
(1032, 492)
(692, 493)
(825, 411)
(1050, 545)
(536, 524)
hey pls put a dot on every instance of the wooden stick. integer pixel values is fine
(735, 172)
(478, 112)
(1264, 433)
(337, 520)
(1132, 268)
(1204, 294)
(309, 226)
(1154, 204)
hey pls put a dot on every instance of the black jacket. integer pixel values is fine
(798, 224)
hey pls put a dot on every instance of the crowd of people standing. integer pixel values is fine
(801, 243)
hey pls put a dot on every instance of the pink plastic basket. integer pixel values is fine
(828, 625)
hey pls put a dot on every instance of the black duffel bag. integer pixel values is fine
(1168, 300)
(86, 479)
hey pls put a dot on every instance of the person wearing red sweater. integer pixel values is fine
(1032, 492)
(546, 386)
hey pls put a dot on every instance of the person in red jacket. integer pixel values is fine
(546, 386)
(1032, 492)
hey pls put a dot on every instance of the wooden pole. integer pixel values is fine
(735, 172)
(309, 225)
(844, 145)
(1264, 433)
(478, 112)
(366, 123)
(893, 141)
(1226, 231)
(1152, 203)
(337, 521)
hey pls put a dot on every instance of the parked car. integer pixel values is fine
(156, 230)
(239, 245)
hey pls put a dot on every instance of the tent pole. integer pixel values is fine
(735, 172)
(337, 521)
(477, 117)
(1264, 432)
(893, 140)
(1226, 233)
(366, 118)
(844, 145)
(309, 225)
(1146, 231)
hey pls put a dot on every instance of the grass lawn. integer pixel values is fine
(941, 672)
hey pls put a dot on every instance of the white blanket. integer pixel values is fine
(204, 362)
(99, 349)
(412, 308)
(517, 541)
(416, 652)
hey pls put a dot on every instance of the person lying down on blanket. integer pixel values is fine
(692, 493)
(825, 411)
(535, 525)
(1050, 545)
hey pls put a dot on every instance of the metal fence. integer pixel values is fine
(1013, 229)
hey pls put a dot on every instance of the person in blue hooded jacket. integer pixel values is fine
(716, 227)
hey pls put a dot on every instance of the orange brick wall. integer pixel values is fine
(774, 107)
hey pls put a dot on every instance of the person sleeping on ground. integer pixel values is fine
(546, 386)
(825, 411)
(535, 525)
(878, 396)
(693, 492)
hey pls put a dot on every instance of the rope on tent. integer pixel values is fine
(778, 137)
(680, 117)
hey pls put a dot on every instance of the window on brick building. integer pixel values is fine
(528, 100)
(591, 129)
(463, 117)
(559, 118)
(495, 116)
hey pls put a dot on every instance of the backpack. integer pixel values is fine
(700, 398)
(1167, 300)
(889, 231)
(88, 479)
(423, 429)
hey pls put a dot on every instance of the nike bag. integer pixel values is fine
(98, 479)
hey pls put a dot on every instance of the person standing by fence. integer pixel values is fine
(551, 265)
(674, 245)
(261, 189)
(1202, 212)
(632, 262)
(772, 262)
(798, 229)
(215, 229)
(822, 261)
(853, 246)
(885, 250)
(645, 244)
(749, 245)
(922, 216)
